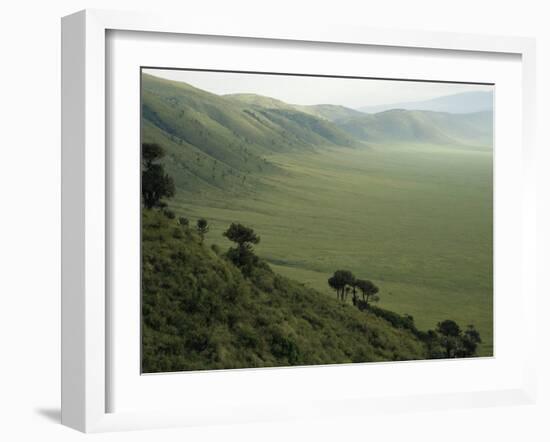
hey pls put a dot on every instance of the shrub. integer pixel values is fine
(169, 214)
(284, 347)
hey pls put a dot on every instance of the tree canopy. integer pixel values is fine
(202, 228)
(151, 152)
(455, 342)
(448, 328)
(368, 289)
(242, 235)
(243, 255)
(155, 183)
(339, 281)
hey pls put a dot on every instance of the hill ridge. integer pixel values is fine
(462, 102)
(225, 142)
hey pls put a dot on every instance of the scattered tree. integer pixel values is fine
(339, 281)
(449, 332)
(368, 289)
(155, 183)
(455, 342)
(202, 228)
(354, 287)
(243, 255)
(470, 340)
(449, 328)
(347, 292)
(184, 222)
(334, 284)
(242, 235)
(151, 152)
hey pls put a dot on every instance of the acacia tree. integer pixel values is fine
(243, 255)
(470, 340)
(458, 343)
(354, 287)
(334, 284)
(155, 183)
(339, 281)
(347, 291)
(449, 332)
(242, 235)
(202, 228)
(368, 289)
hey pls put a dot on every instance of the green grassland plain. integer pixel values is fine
(415, 219)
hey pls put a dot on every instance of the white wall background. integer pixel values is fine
(30, 216)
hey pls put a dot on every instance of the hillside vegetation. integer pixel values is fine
(215, 142)
(200, 312)
(406, 202)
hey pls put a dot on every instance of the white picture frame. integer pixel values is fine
(85, 308)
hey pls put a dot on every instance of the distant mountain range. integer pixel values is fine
(220, 141)
(466, 102)
(414, 126)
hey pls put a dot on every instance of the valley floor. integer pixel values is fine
(417, 220)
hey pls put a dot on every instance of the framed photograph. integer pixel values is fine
(263, 223)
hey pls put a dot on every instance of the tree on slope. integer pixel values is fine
(339, 281)
(243, 255)
(202, 228)
(155, 183)
(458, 343)
(368, 289)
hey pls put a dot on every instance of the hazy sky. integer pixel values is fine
(352, 93)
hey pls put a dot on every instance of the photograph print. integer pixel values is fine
(298, 220)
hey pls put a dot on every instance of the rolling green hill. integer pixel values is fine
(224, 143)
(200, 313)
(402, 197)
(216, 142)
(330, 112)
(409, 126)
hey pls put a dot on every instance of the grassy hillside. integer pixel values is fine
(216, 142)
(416, 219)
(199, 312)
(224, 143)
(412, 211)
(398, 125)
(329, 112)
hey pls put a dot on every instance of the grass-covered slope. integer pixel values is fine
(399, 125)
(330, 112)
(415, 217)
(220, 142)
(225, 143)
(199, 312)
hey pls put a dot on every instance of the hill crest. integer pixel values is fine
(461, 103)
